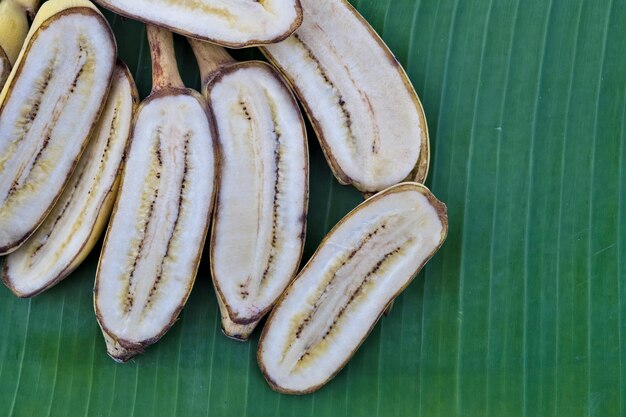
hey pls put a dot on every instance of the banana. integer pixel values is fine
(78, 219)
(232, 23)
(259, 221)
(14, 16)
(361, 103)
(368, 259)
(48, 109)
(159, 223)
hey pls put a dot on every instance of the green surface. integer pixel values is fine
(523, 312)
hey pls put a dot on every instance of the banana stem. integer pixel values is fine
(164, 67)
(210, 58)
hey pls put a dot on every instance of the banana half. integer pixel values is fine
(77, 220)
(159, 223)
(366, 114)
(260, 214)
(367, 260)
(48, 109)
(232, 23)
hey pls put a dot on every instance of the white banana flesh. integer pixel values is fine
(159, 224)
(365, 111)
(364, 263)
(260, 213)
(232, 23)
(48, 109)
(77, 220)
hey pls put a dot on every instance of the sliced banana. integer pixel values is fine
(260, 214)
(48, 109)
(367, 116)
(77, 220)
(14, 16)
(364, 263)
(159, 224)
(232, 23)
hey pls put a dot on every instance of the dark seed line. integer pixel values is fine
(58, 218)
(357, 292)
(183, 183)
(78, 181)
(130, 299)
(37, 99)
(276, 202)
(244, 292)
(340, 101)
(344, 262)
(107, 148)
(376, 139)
(31, 116)
(244, 108)
(16, 186)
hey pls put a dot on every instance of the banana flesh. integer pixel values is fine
(78, 219)
(367, 116)
(260, 213)
(64, 70)
(159, 223)
(235, 24)
(331, 307)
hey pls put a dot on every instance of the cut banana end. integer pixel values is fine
(235, 24)
(260, 213)
(366, 114)
(77, 220)
(232, 330)
(159, 223)
(365, 262)
(48, 109)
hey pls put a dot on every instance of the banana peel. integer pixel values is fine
(159, 223)
(78, 219)
(259, 221)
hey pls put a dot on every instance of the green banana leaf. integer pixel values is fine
(522, 313)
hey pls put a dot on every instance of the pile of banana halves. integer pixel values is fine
(79, 154)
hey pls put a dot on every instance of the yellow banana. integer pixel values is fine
(14, 16)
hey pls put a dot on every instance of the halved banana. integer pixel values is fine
(48, 109)
(14, 15)
(232, 23)
(159, 224)
(366, 261)
(260, 214)
(367, 116)
(77, 220)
